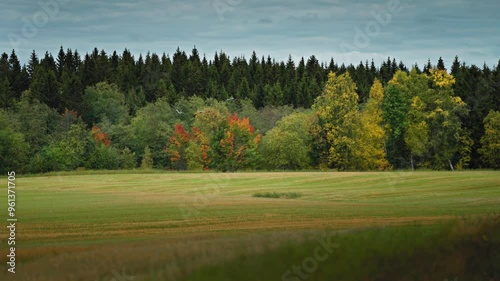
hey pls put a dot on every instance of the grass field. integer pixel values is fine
(179, 226)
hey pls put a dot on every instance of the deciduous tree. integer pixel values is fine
(337, 110)
(235, 145)
(370, 152)
(490, 142)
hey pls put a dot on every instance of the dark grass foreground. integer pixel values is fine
(466, 250)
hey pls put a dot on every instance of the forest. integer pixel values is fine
(187, 112)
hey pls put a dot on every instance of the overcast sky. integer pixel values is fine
(348, 31)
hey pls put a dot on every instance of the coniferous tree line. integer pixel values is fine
(118, 111)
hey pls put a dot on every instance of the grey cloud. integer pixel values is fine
(425, 29)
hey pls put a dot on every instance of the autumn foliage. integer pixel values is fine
(233, 146)
(99, 136)
(177, 146)
(201, 149)
(238, 145)
(177, 141)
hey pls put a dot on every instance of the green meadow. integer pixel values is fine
(136, 225)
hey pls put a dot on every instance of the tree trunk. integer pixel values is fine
(451, 165)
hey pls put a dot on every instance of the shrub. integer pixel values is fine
(147, 159)
(285, 195)
(128, 159)
(104, 157)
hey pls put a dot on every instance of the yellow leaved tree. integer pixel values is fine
(370, 139)
(337, 111)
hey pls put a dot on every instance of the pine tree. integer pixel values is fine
(71, 89)
(455, 66)
(161, 90)
(304, 98)
(6, 93)
(253, 64)
(61, 58)
(4, 66)
(194, 77)
(440, 64)
(126, 72)
(17, 76)
(244, 90)
(45, 87)
(32, 63)
(178, 71)
(273, 94)
(290, 83)
(428, 67)
(113, 64)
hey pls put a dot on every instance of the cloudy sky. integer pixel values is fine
(347, 30)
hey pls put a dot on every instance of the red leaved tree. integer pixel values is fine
(177, 147)
(238, 146)
(99, 136)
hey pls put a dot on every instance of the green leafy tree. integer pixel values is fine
(65, 154)
(103, 156)
(13, 147)
(147, 159)
(395, 108)
(490, 142)
(265, 118)
(36, 121)
(444, 111)
(288, 145)
(211, 119)
(129, 160)
(337, 110)
(74, 146)
(104, 102)
(417, 134)
(152, 125)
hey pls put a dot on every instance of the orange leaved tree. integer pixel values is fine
(176, 149)
(235, 145)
